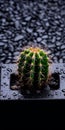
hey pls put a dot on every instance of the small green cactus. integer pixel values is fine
(33, 68)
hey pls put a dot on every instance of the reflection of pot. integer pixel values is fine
(33, 68)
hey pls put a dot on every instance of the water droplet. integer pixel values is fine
(9, 98)
(61, 71)
(3, 77)
(10, 70)
(4, 95)
(64, 72)
(3, 67)
(14, 94)
(48, 95)
(63, 90)
(4, 83)
(56, 93)
(62, 77)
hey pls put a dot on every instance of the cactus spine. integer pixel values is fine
(33, 68)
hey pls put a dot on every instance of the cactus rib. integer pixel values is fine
(33, 68)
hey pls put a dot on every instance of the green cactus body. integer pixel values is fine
(33, 68)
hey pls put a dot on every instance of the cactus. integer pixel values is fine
(33, 68)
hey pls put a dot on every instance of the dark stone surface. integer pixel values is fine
(41, 22)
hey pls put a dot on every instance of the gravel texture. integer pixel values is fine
(24, 21)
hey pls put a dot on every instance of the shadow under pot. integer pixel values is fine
(54, 82)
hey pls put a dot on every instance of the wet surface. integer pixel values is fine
(9, 79)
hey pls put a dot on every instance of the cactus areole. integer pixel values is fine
(33, 68)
